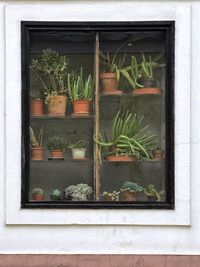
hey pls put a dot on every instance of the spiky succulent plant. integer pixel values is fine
(131, 187)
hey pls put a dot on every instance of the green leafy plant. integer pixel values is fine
(36, 142)
(79, 144)
(50, 68)
(147, 67)
(113, 63)
(132, 73)
(151, 191)
(131, 187)
(57, 143)
(79, 192)
(128, 137)
(78, 88)
(55, 195)
(37, 191)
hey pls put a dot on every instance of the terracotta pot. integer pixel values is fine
(127, 196)
(158, 154)
(81, 106)
(78, 153)
(36, 107)
(148, 82)
(38, 197)
(147, 91)
(109, 82)
(121, 158)
(57, 154)
(37, 153)
(57, 105)
(107, 198)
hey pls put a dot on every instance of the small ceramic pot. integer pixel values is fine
(109, 82)
(37, 153)
(38, 197)
(57, 154)
(36, 107)
(81, 106)
(78, 153)
(57, 105)
(127, 196)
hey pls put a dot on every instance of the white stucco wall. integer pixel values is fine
(134, 239)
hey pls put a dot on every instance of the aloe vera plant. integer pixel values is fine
(36, 142)
(128, 137)
(147, 67)
(113, 63)
(78, 88)
(132, 73)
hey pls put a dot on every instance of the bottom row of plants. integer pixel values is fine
(83, 192)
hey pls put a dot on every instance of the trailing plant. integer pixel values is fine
(36, 142)
(78, 88)
(57, 143)
(131, 187)
(151, 191)
(50, 68)
(79, 192)
(128, 137)
(37, 191)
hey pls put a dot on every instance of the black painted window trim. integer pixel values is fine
(169, 27)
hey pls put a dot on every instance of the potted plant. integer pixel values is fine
(37, 151)
(36, 102)
(80, 92)
(78, 150)
(158, 154)
(38, 194)
(55, 195)
(147, 78)
(129, 190)
(152, 194)
(56, 146)
(113, 196)
(79, 192)
(50, 68)
(111, 74)
(129, 140)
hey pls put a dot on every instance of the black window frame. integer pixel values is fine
(169, 28)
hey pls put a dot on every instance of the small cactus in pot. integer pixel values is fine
(129, 190)
(55, 195)
(38, 194)
(57, 145)
(152, 194)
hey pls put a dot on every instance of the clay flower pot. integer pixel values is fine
(158, 154)
(38, 197)
(78, 153)
(81, 106)
(36, 107)
(109, 83)
(127, 196)
(57, 153)
(57, 105)
(148, 89)
(37, 153)
(121, 158)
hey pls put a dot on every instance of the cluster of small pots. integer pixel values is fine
(57, 106)
(110, 85)
(37, 154)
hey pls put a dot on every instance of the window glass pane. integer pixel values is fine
(97, 116)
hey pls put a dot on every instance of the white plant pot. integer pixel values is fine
(78, 153)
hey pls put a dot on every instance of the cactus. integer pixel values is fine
(151, 191)
(37, 191)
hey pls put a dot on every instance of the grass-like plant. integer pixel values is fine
(128, 137)
(79, 144)
(50, 68)
(36, 142)
(78, 88)
(57, 143)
